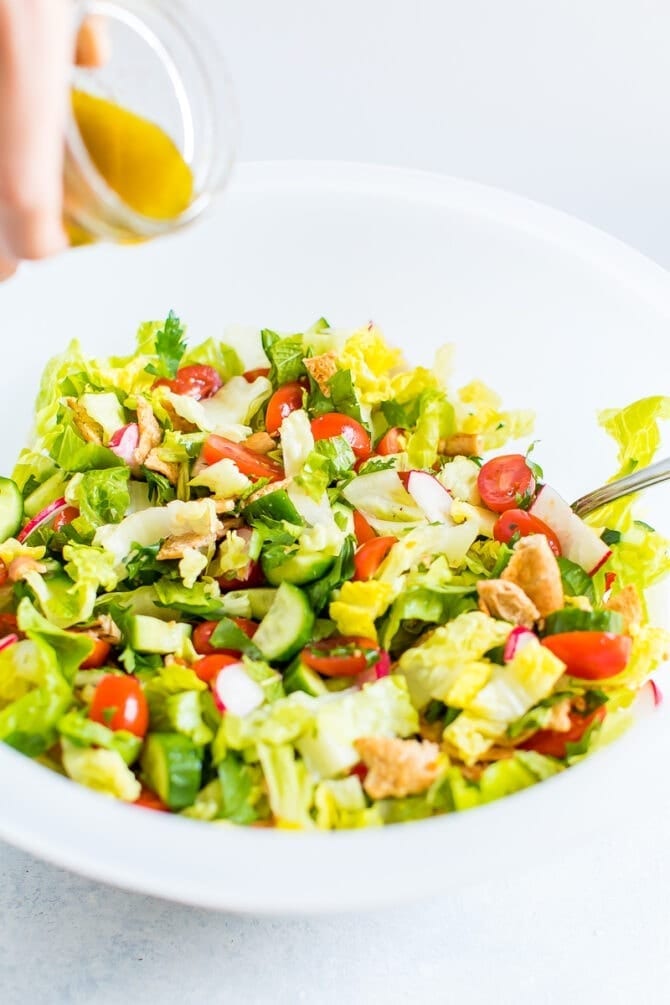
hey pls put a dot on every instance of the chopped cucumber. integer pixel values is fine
(53, 488)
(572, 619)
(11, 508)
(172, 767)
(287, 626)
(151, 635)
(297, 569)
(254, 603)
(273, 506)
(298, 677)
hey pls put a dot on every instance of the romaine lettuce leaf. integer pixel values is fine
(435, 423)
(290, 788)
(102, 770)
(101, 497)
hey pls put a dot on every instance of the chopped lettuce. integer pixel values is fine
(102, 770)
(289, 785)
(435, 423)
(358, 605)
(224, 480)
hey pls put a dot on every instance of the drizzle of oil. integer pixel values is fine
(137, 159)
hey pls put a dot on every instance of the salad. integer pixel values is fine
(293, 582)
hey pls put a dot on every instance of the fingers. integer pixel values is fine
(92, 43)
(35, 54)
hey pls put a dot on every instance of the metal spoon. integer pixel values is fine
(642, 479)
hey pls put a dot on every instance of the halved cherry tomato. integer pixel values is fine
(518, 522)
(360, 770)
(551, 743)
(339, 656)
(150, 801)
(332, 424)
(285, 400)
(203, 632)
(252, 577)
(610, 580)
(208, 667)
(9, 626)
(251, 375)
(197, 381)
(98, 657)
(502, 480)
(370, 556)
(591, 655)
(392, 442)
(119, 703)
(254, 465)
(362, 528)
(4, 573)
(65, 517)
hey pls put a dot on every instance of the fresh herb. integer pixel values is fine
(170, 346)
(160, 489)
(227, 635)
(376, 464)
(241, 788)
(142, 566)
(609, 537)
(341, 570)
(401, 416)
(538, 473)
(286, 357)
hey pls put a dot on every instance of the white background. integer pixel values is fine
(565, 102)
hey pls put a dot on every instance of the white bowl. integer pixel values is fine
(558, 316)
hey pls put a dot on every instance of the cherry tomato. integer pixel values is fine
(370, 556)
(392, 442)
(197, 381)
(98, 657)
(519, 522)
(9, 626)
(360, 770)
(251, 375)
(339, 656)
(284, 401)
(4, 573)
(150, 801)
(119, 703)
(503, 479)
(203, 632)
(325, 427)
(591, 655)
(208, 667)
(362, 529)
(551, 743)
(250, 464)
(65, 517)
(252, 577)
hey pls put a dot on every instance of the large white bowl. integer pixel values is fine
(558, 316)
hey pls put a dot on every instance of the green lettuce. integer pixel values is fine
(241, 791)
(435, 422)
(340, 803)
(76, 727)
(214, 353)
(101, 497)
(502, 778)
(100, 769)
(290, 788)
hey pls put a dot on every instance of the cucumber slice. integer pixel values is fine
(257, 602)
(571, 619)
(273, 506)
(172, 767)
(297, 569)
(151, 635)
(287, 626)
(298, 677)
(11, 508)
(53, 488)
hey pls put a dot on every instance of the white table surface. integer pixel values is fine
(563, 102)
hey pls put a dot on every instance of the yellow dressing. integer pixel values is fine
(137, 159)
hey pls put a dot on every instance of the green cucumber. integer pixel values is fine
(275, 506)
(257, 601)
(298, 677)
(287, 626)
(50, 490)
(172, 767)
(11, 508)
(297, 569)
(572, 619)
(151, 635)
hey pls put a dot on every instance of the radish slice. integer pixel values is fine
(48, 513)
(382, 668)
(8, 641)
(234, 690)
(430, 496)
(649, 697)
(124, 442)
(578, 541)
(516, 640)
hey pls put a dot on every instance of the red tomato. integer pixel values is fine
(551, 743)
(252, 577)
(119, 703)
(362, 529)
(251, 375)
(197, 381)
(203, 632)
(591, 655)
(503, 479)
(284, 401)
(325, 427)
(150, 801)
(519, 522)
(208, 667)
(392, 442)
(3, 573)
(339, 656)
(65, 517)
(9, 626)
(370, 556)
(98, 657)
(250, 464)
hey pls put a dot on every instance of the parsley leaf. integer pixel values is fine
(170, 347)
(160, 489)
(538, 473)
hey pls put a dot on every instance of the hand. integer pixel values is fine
(36, 52)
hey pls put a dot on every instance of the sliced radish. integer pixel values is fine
(382, 668)
(430, 496)
(124, 442)
(649, 697)
(8, 641)
(48, 513)
(579, 542)
(517, 639)
(234, 690)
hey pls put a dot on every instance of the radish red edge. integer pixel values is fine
(382, 668)
(42, 517)
(124, 442)
(9, 640)
(516, 640)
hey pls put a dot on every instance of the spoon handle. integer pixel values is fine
(642, 479)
